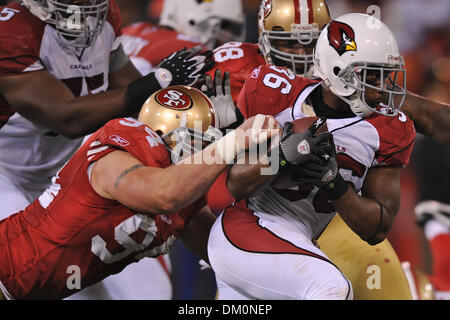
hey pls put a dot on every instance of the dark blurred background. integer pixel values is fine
(422, 28)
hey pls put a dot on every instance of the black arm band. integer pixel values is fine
(380, 224)
(336, 188)
(139, 91)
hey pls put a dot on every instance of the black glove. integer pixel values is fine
(324, 173)
(299, 148)
(219, 92)
(184, 67)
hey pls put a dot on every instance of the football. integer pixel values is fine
(283, 181)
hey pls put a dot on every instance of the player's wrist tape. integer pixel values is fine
(229, 147)
(336, 188)
(139, 91)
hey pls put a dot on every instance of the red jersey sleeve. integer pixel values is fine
(20, 37)
(240, 59)
(114, 17)
(396, 139)
(270, 90)
(153, 43)
(132, 136)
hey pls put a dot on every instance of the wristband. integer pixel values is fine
(139, 91)
(336, 188)
(228, 147)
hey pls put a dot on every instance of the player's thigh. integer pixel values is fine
(301, 271)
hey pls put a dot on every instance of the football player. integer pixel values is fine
(64, 74)
(52, 78)
(272, 230)
(304, 21)
(186, 23)
(119, 199)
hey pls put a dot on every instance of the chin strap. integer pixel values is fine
(357, 105)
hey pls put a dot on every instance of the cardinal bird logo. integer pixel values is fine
(341, 37)
(267, 6)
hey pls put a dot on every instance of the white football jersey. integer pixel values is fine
(30, 154)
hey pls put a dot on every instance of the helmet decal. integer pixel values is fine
(341, 37)
(174, 99)
(267, 7)
(201, 1)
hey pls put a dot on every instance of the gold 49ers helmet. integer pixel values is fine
(183, 116)
(288, 31)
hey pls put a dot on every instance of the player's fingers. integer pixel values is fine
(218, 82)
(227, 83)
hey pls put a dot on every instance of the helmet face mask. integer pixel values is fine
(78, 23)
(293, 50)
(367, 78)
(183, 142)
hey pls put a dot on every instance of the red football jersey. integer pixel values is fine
(148, 44)
(239, 59)
(270, 90)
(70, 227)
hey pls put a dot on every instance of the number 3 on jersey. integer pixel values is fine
(275, 81)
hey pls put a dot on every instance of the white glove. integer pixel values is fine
(222, 100)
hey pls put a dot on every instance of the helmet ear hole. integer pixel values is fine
(192, 22)
(336, 71)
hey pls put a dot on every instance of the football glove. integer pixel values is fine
(299, 148)
(323, 172)
(184, 67)
(219, 92)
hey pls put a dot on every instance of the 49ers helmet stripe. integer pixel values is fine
(303, 11)
(297, 10)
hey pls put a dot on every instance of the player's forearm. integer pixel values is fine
(190, 182)
(86, 114)
(246, 180)
(195, 235)
(369, 219)
(430, 118)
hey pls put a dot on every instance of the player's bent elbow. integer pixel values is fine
(166, 203)
(376, 240)
(71, 130)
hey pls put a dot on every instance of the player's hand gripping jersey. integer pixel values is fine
(361, 144)
(71, 226)
(28, 44)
